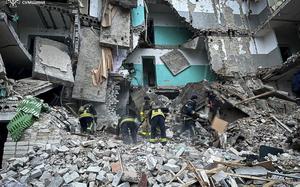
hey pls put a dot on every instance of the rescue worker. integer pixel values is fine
(145, 127)
(128, 126)
(189, 115)
(87, 118)
(157, 120)
(214, 105)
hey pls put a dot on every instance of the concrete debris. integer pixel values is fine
(88, 59)
(245, 126)
(118, 31)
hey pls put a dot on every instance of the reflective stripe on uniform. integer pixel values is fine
(86, 114)
(163, 139)
(157, 112)
(144, 133)
(152, 140)
(127, 120)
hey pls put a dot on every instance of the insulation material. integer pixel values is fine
(175, 61)
(219, 125)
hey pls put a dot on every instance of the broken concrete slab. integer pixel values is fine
(37, 87)
(52, 62)
(11, 44)
(192, 44)
(256, 171)
(7, 109)
(89, 58)
(78, 184)
(229, 55)
(118, 33)
(175, 61)
(57, 181)
(117, 178)
(171, 167)
(69, 177)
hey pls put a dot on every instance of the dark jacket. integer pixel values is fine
(125, 120)
(189, 108)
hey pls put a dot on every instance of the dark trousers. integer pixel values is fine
(129, 129)
(188, 125)
(158, 122)
(85, 122)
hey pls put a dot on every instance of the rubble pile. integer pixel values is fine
(249, 133)
(110, 117)
(79, 161)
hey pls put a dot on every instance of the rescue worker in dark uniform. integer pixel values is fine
(128, 126)
(157, 121)
(189, 115)
(144, 116)
(214, 105)
(87, 118)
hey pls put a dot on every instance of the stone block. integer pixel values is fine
(36, 173)
(25, 172)
(69, 177)
(92, 177)
(171, 167)
(151, 162)
(78, 184)
(93, 169)
(91, 156)
(101, 177)
(117, 178)
(124, 184)
(57, 181)
(130, 176)
(62, 171)
(88, 143)
(11, 173)
(63, 149)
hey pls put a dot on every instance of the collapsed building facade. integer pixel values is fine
(72, 52)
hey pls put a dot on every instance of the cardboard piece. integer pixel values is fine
(219, 125)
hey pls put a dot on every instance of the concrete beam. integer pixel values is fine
(88, 59)
(37, 87)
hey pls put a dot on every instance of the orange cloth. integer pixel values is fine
(105, 66)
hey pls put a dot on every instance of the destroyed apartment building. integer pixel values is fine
(59, 55)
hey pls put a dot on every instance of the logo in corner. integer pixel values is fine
(13, 3)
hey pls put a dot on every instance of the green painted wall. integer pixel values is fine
(164, 77)
(138, 15)
(171, 35)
